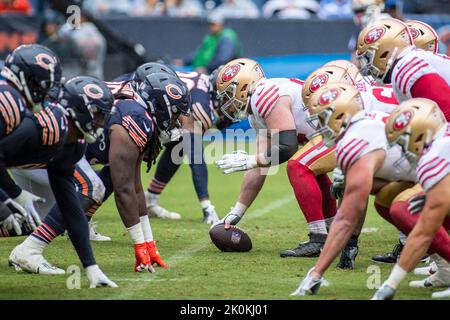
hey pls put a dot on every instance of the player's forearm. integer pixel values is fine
(251, 185)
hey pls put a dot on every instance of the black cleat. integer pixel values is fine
(390, 257)
(311, 248)
(348, 256)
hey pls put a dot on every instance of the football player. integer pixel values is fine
(53, 138)
(387, 53)
(423, 35)
(201, 119)
(308, 167)
(365, 158)
(132, 131)
(423, 134)
(29, 72)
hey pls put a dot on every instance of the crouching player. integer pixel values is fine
(423, 134)
(363, 156)
(53, 139)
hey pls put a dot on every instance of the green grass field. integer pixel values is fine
(197, 269)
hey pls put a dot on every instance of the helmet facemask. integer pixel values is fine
(368, 69)
(319, 123)
(228, 101)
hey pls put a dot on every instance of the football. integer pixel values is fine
(231, 240)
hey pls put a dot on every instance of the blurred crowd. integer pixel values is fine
(282, 9)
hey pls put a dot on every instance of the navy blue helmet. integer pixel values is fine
(167, 97)
(88, 101)
(148, 68)
(33, 69)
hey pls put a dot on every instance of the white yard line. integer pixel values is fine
(188, 253)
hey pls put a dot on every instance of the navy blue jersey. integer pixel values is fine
(39, 142)
(198, 85)
(12, 108)
(134, 118)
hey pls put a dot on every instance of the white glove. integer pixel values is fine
(416, 203)
(26, 200)
(230, 219)
(338, 186)
(98, 278)
(309, 285)
(236, 161)
(20, 214)
(11, 223)
(173, 135)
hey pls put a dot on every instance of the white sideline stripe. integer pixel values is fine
(188, 252)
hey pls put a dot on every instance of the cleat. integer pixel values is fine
(384, 293)
(94, 235)
(156, 211)
(441, 294)
(97, 278)
(311, 248)
(348, 256)
(210, 215)
(390, 257)
(440, 279)
(32, 261)
(155, 256)
(143, 261)
(426, 271)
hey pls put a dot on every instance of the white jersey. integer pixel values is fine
(434, 165)
(415, 65)
(266, 95)
(377, 98)
(365, 134)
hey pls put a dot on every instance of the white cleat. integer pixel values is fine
(94, 235)
(29, 260)
(427, 270)
(159, 212)
(210, 215)
(97, 278)
(441, 278)
(441, 294)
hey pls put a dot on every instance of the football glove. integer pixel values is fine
(171, 136)
(236, 161)
(11, 223)
(97, 278)
(416, 203)
(338, 186)
(309, 285)
(229, 220)
(22, 216)
(26, 200)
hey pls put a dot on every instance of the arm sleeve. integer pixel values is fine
(285, 148)
(7, 183)
(70, 208)
(433, 87)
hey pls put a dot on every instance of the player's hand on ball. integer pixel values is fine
(231, 219)
(236, 161)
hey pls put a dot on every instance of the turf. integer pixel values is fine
(197, 269)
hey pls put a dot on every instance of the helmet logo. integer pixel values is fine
(414, 32)
(231, 72)
(374, 35)
(45, 61)
(329, 96)
(402, 120)
(318, 82)
(174, 91)
(93, 91)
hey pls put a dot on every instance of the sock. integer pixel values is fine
(329, 207)
(35, 243)
(318, 227)
(205, 204)
(146, 228)
(308, 194)
(396, 276)
(405, 222)
(153, 199)
(136, 233)
(353, 241)
(165, 169)
(44, 234)
(156, 187)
